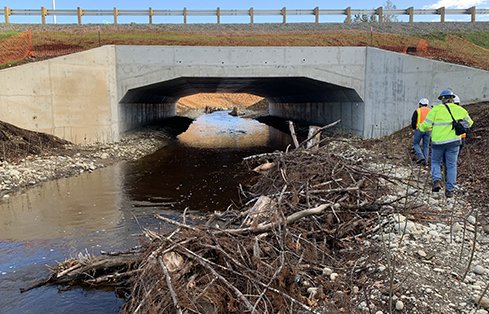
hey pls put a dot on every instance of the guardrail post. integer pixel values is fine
(252, 16)
(348, 15)
(44, 12)
(410, 12)
(316, 15)
(116, 13)
(150, 14)
(79, 13)
(380, 13)
(184, 15)
(284, 15)
(441, 11)
(472, 11)
(6, 12)
(218, 13)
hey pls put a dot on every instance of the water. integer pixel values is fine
(105, 210)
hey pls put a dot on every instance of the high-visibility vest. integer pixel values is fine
(422, 113)
(439, 122)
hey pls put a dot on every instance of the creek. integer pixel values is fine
(106, 210)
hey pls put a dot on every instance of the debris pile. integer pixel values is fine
(294, 245)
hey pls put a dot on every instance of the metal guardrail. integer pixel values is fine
(380, 12)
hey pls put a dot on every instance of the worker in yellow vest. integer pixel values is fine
(445, 143)
(419, 115)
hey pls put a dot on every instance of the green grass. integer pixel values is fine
(478, 38)
(6, 35)
(434, 36)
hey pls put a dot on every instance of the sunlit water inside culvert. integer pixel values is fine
(106, 209)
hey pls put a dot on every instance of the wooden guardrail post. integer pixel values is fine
(348, 15)
(410, 12)
(150, 15)
(252, 16)
(116, 14)
(380, 13)
(44, 12)
(441, 11)
(6, 12)
(316, 15)
(184, 15)
(79, 13)
(218, 13)
(284, 15)
(472, 11)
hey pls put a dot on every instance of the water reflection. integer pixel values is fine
(64, 208)
(221, 130)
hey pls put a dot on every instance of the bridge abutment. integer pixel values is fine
(95, 95)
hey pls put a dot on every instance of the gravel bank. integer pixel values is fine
(399, 27)
(75, 160)
(435, 250)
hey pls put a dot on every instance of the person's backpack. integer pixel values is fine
(457, 125)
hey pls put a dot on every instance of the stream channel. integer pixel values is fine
(106, 209)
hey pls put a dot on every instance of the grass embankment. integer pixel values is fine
(6, 35)
(470, 48)
(464, 48)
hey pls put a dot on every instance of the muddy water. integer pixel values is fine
(106, 209)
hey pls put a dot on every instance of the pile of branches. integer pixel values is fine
(295, 246)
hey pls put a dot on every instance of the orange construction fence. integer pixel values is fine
(16, 47)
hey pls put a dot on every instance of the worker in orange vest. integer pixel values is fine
(418, 117)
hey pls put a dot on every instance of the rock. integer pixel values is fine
(379, 312)
(333, 276)
(399, 305)
(362, 306)
(479, 270)
(471, 220)
(422, 253)
(327, 271)
(104, 156)
(456, 227)
(484, 302)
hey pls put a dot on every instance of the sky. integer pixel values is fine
(235, 4)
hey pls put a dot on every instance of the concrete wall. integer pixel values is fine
(70, 96)
(78, 97)
(396, 82)
(134, 115)
(139, 66)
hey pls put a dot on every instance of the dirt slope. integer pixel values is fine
(17, 143)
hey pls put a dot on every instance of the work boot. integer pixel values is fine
(436, 186)
(449, 194)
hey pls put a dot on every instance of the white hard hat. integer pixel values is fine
(456, 100)
(424, 101)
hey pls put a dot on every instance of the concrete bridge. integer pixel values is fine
(98, 94)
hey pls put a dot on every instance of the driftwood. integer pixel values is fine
(292, 133)
(315, 137)
(301, 215)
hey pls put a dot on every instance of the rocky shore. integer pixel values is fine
(75, 159)
(434, 250)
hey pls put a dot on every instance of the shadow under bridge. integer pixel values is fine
(295, 98)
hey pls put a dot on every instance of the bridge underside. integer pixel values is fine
(296, 98)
